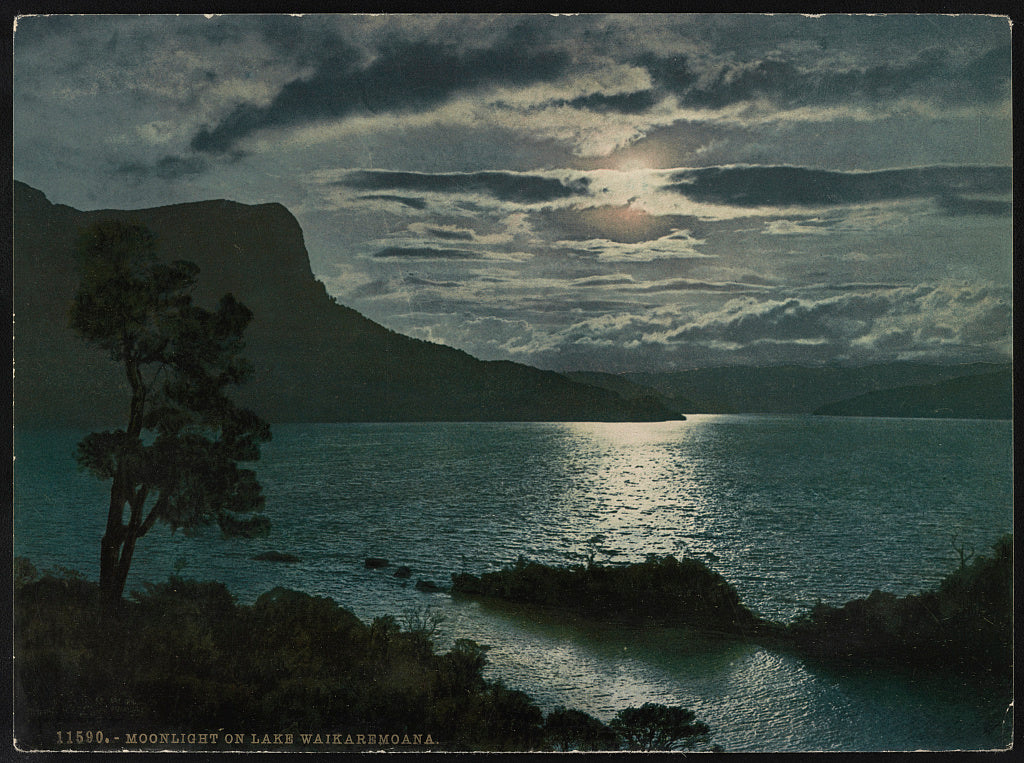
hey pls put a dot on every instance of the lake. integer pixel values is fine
(789, 509)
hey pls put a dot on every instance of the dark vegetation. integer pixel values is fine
(656, 727)
(964, 625)
(663, 590)
(566, 729)
(184, 656)
(175, 460)
(649, 727)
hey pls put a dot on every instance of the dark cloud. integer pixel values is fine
(959, 205)
(806, 221)
(987, 77)
(569, 306)
(33, 29)
(620, 103)
(409, 201)
(424, 253)
(167, 168)
(852, 287)
(930, 73)
(405, 76)
(671, 73)
(936, 319)
(292, 37)
(327, 93)
(505, 186)
(450, 235)
(386, 286)
(747, 186)
(786, 83)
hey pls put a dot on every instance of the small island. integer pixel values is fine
(663, 590)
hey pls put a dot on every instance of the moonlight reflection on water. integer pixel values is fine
(789, 509)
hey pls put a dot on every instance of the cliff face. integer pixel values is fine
(315, 360)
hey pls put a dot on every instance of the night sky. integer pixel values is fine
(611, 193)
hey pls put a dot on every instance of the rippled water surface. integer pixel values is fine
(790, 509)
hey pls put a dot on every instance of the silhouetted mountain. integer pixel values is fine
(315, 360)
(797, 389)
(630, 390)
(987, 396)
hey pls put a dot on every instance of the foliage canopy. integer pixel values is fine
(659, 727)
(177, 458)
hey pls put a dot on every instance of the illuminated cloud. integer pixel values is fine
(599, 191)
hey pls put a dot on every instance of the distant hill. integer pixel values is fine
(986, 396)
(630, 390)
(799, 389)
(315, 360)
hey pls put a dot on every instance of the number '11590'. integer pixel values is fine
(81, 737)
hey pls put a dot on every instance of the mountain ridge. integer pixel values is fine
(318, 360)
(314, 359)
(979, 396)
(798, 389)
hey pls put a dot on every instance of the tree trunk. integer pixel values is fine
(112, 580)
(116, 551)
(118, 542)
(124, 564)
(115, 561)
(113, 538)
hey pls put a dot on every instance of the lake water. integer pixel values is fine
(790, 509)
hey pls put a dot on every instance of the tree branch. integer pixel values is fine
(138, 500)
(154, 515)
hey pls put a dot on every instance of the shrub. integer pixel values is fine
(663, 589)
(185, 655)
(966, 623)
(566, 730)
(659, 727)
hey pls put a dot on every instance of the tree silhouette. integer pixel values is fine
(659, 727)
(567, 729)
(176, 460)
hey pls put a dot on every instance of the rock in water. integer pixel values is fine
(276, 556)
(428, 586)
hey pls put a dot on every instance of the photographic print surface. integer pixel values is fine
(499, 382)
